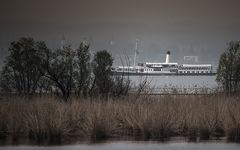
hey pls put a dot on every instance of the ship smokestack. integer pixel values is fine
(167, 56)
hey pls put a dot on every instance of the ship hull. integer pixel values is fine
(161, 74)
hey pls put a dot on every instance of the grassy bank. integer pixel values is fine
(157, 118)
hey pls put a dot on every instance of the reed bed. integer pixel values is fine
(148, 118)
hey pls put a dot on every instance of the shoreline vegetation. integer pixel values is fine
(193, 117)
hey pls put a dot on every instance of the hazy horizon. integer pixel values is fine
(187, 27)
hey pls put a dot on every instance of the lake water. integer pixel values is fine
(134, 146)
(177, 81)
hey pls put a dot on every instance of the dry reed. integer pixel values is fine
(156, 117)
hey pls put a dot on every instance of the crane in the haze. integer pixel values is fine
(190, 58)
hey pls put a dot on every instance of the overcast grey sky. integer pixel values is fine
(186, 27)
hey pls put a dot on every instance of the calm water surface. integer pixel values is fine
(177, 81)
(134, 146)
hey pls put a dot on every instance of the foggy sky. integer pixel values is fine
(186, 27)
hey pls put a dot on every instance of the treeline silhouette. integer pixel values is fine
(33, 68)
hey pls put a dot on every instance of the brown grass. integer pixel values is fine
(158, 117)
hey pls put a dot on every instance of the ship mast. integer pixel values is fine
(135, 55)
(63, 42)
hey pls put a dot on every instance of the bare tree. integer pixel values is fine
(83, 70)
(20, 73)
(102, 64)
(58, 66)
(121, 82)
(228, 72)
